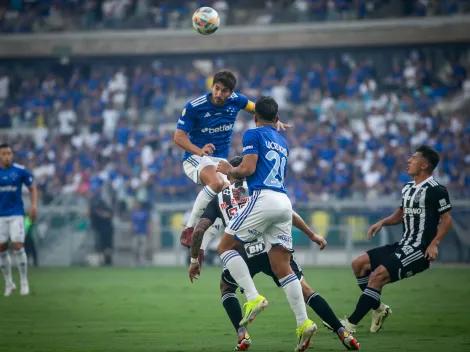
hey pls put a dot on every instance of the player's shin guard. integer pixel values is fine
(363, 281)
(240, 272)
(323, 310)
(293, 290)
(370, 299)
(22, 262)
(5, 266)
(233, 309)
(202, 199)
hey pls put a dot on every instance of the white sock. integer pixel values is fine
(293, 290)
(202, 199)
(22, 262)
(240, 272)
(5, 265)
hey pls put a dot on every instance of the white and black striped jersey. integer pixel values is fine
(422, 206)
(224, 205)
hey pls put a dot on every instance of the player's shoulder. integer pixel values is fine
(406, 186)
(19, 167)
(197, 102)
(235, 96)
(435, 186)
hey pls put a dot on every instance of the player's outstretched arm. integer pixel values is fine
(444, 227)
(33, 194)
(181, 139)
(299, 223)
(246, 168)
(394, 219)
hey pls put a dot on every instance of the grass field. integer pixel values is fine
(158, 309)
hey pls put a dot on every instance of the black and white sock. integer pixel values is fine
(323, 310)
(233, 309)
(363, 281)
(370, 299)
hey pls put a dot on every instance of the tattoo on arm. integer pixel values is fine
(198, 235)
(236, 174)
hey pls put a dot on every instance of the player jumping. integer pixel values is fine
(204, 131)
(268, 214)
(425, 214)
(12, 178)
(212, 223)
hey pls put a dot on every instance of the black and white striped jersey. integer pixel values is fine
(422, 206)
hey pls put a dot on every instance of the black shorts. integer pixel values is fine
(401, 262)
(260, 264)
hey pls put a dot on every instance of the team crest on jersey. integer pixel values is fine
(184, 112)
(418, 195)
(14, 176)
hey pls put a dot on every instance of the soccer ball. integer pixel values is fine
(206, 20)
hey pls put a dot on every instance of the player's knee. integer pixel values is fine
(281, 270)
(379, 276)
(224, 288)
(217, 184)
(360, 265)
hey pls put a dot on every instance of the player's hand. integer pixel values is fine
(374, 229)
(237, 192)
(224, 167)
(32, 213)
(194, 271)
(282, 126)
(431, 252)
(320, 240)
(208, 149)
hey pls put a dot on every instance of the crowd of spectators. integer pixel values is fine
(23, 16)
(353, 127)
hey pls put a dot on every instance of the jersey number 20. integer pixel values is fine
(277, 170)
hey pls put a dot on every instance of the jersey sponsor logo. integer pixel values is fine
(221, 128)
(274, 145)
(255, 248)
(285, 238)
(413, 211)
(181, 122)
(207, 114)
(255, 232)
(8, 189)
(444, 208)
(398, 255)
(442, 202)
(247, 147)
(407, 250)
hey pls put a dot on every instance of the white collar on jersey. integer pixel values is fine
(423, 182)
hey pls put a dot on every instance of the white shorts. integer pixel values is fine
(12, 228)
(194, 164)
(267, 214)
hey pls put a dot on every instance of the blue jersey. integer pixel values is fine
(11, 183)
(207, 123)
(272, 152)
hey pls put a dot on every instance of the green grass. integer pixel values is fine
(158, 309)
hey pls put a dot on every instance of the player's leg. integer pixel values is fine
(5, 261)
(202, 170)
(361, 267)
(321, 307)
(232, 307)
(17, 232)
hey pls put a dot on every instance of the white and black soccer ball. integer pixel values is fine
(206, 20)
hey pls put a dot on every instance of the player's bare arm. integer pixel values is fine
(198, 235)
(181, 139)
(299, 223)
(33, 194)
(250, 108)
(246, 168)
(444, 227)
(394, 219)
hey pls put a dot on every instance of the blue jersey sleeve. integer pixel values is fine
(242, 101)
(250, 142)
(186, 120)
(27, 178)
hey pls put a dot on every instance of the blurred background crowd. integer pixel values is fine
(22, 16)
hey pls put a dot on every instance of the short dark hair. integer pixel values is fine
(266, 108)
(5, 145)
(430, 155)
(236, 161)
(227, 78)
